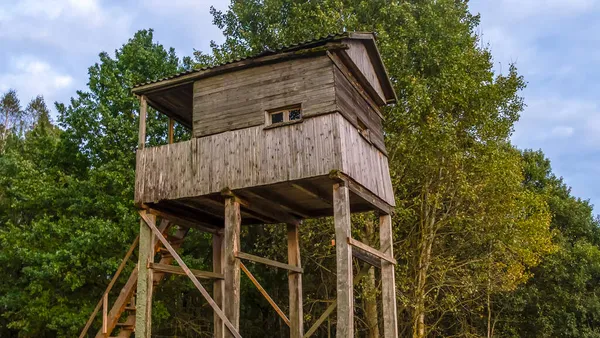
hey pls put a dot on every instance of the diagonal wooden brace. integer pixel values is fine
(189, 273)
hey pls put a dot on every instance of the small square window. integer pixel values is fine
(283, 115)
(277, 117)
(295, 114)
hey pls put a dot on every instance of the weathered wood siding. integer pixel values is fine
(360, 56)
(353, 106)
(253, 156)
(363, 162)
(239, 99)
(237, 159)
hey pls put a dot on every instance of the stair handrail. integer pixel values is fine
(104, 300)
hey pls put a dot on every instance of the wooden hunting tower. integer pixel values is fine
(278, 137)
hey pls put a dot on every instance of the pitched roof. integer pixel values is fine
(317, 41)
(272, 55)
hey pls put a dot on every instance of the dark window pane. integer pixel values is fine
(295, 114)
(277, 118)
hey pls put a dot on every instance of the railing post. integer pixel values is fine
(105, 313)
(142, 133)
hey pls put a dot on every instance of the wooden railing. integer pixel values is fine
(103, 303)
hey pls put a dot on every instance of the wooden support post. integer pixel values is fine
(143, 306)
(105, 313)
(295, 283)
(343, 251)
(142, 133)
(171, 128)
(151, 224)
(388, 280)
(231, 271)
(218, 285)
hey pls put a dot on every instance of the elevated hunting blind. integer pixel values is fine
(278, 137)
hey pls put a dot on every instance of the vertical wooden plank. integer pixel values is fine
(143, 306)
(343, 251)
(142, 133)
(105, 313)
(218, 284)
(295, 283)
(171, 127)
(231, 272)
(388, 280)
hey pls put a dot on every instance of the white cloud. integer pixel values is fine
(562, 131)
(68, 24)
(31, 77)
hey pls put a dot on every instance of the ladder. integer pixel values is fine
(124, 306)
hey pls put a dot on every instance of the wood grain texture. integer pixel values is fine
(143, 319)
(219, 284)
(360, 57)
(343, 251)
(388, 279)
(232, 264)
(363, 162)
(239, 100)
(238, 159)
(254, 157)
(295, 283)
(354, 107)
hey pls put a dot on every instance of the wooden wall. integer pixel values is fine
(353, 106)
(362, 161)
(239, 99)
(360, 56)
(253, 156)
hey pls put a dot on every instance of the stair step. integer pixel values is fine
(129, 323)
(130, 308)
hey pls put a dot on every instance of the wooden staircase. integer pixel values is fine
(113, 324)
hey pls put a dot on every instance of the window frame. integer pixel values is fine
(286, 115)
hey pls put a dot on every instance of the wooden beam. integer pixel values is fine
(366, 257)
(295, 283)
(261, 207)
(345, 294)
(185, 222)
(171, 128)
(264, 293)
(361, 274)
(150, 223)
(219, 284)
(143, 306)
(142, 132)
(388, 280)
(266, 261)
(362, 246)
(280, 201)
(309, 191)
(105, 313)
(362, 192)
(233, 221)
(177, 270)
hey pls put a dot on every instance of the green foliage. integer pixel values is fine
(488, 241)
(563, 298)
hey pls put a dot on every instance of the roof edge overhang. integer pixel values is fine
(307, 49)
(320, 48)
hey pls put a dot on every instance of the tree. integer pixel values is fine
(563, 297)
(66, 196)
(463, 218)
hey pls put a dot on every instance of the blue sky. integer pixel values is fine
(46, 47)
